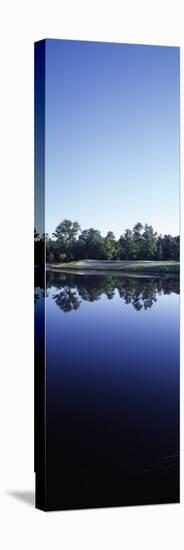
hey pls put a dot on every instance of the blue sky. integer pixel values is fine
(112, 135)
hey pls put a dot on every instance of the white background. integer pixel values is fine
(23, 22)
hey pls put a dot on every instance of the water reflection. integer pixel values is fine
(112, 387)
(67, 299)
(141, 292)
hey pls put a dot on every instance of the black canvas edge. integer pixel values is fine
(39, 265)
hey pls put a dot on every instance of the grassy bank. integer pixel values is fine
(157, 267)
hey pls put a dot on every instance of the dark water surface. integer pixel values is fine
(112, 389)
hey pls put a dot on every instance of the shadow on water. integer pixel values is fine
(73, 289)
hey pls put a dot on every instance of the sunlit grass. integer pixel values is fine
(137, 266)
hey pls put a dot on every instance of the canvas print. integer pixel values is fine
(106, 274)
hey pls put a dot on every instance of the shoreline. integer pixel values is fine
(126, 268)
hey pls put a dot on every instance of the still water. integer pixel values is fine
(112, 389)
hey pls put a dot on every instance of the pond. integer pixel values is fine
(112, 389)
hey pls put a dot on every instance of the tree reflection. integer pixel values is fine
(141, 292)
(39, 285)
(67, 299)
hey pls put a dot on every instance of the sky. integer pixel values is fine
(112, 136)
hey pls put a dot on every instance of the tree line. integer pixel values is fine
(70, 243)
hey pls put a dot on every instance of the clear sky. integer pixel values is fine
(112, 135)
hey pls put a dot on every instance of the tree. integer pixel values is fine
(49, 248)
(66, 232)
(36, 235)
(159, 253)
(39, 249)
(170, 247)
(138, 240)
(176, 248)
(128, 250)
(110, 246)
(92, 244)
(65, 235)
(70, 243)
(110, 236)
(149, 242)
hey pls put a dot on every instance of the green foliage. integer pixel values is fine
(128, 248)
(138, 240)
(149, 242)
(66, 232)
(70, 243)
